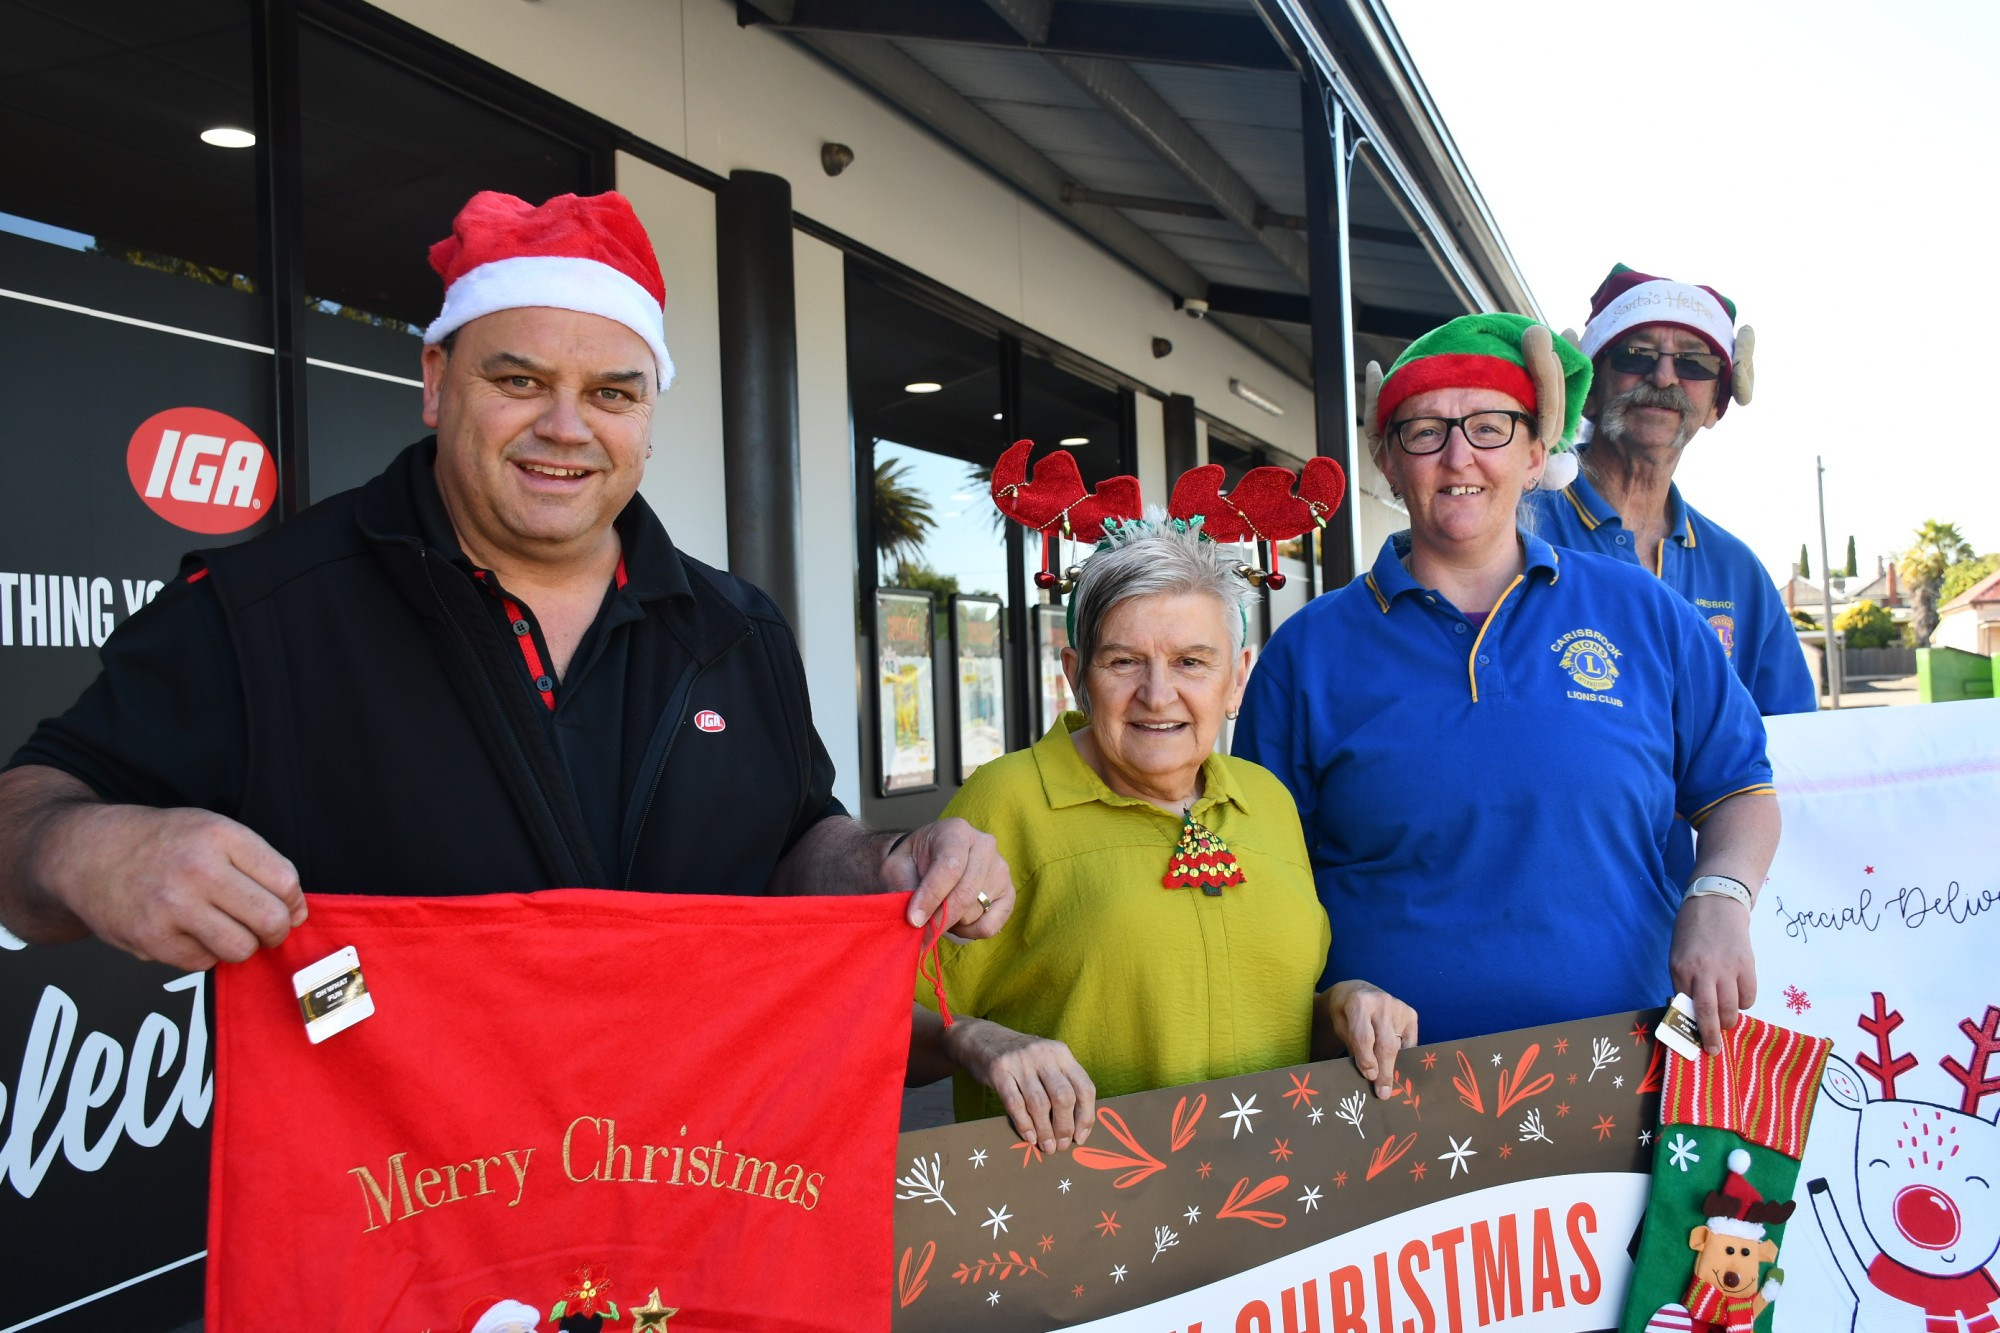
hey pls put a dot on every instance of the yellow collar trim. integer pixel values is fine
(1068, 781)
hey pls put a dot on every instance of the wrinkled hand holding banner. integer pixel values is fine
(1500, 1186)
(675, 1112)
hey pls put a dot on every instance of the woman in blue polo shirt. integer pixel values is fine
(1488, 740)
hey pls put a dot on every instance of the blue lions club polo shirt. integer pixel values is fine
(1488, 808)
(1711, 569)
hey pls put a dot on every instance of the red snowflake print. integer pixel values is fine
(1203, 1170)
(1796, 1001)
(1028, 1151)
(1506, 1151)
(1340, 1180)
(1048, 1243)
(1417, 1171)
(1077, 1291)
(1301, 1092)
(1109, 1226)
(1562, 1045)
(1572, 1078)
(1430, 1059)
(1562, 1109)
(1868, 870)
(1603, 1128)
(1638, 1033)
(1282, 1150)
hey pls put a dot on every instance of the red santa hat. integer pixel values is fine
(1737, 1209)
(572, 253)
(1628, 299)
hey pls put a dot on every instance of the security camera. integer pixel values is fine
(1195, 307)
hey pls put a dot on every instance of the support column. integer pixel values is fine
(1183, 448)
(758, 327)
(1326, 145)
(280, 240)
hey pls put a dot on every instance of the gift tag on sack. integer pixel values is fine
(1677, 1031)
(332, 995)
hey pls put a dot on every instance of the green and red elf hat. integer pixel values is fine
(1628, 299)
(1511, 353)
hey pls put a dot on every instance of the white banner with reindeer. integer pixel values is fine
(1880, 929)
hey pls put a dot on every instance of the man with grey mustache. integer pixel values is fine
(1668, 358)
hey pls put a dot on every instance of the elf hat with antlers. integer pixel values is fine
(1261, 508)
(1510, 353)
(1737, 1209)
(1628, 299)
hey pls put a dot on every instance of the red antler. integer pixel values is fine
(1056, 491)
(1262, 507)
(1975, 1078)
(1885, 1065)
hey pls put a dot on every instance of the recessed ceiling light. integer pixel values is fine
(923, 386)
(997, 417)
(228, 136)
(1256, 399)
(1072, 441)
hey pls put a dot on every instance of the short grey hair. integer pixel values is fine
(1153, 558)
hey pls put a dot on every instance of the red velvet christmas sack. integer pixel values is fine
(577, 1109)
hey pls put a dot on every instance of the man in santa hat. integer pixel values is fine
(487, 670)
(1668, 359)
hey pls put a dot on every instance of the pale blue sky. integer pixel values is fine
(1829, 166)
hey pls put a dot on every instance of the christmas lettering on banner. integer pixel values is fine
(1500, 1186)
(1877, 930)
(567, 1110)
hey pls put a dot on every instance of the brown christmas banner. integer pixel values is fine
(1500, 1186)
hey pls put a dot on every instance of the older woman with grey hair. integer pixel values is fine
(1165, 927)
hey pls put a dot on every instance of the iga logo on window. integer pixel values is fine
(201, 470)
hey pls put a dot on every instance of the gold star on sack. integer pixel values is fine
(652, 1314)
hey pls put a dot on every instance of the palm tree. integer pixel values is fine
(901, 514)
(1938, 546)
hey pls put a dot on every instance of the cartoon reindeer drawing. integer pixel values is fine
(1925, 1177)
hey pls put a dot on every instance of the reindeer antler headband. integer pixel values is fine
(1262, 508)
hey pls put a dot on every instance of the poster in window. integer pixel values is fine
(982, 691)
(1051, 637)
(906, 690)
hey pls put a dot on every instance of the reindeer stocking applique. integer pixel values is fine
(1732, 1129)
(1923, 1188)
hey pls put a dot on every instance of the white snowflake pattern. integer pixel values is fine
(1496, 1059)
(1459, 1152)
(1310, 1198)
(1315, 1114)
(1241, 1115)
(1645, 1137)
(1063, 1185)
(1617, 1080)
(1681, 1151)
(1118, 1273)
(997, 1218)
(978, 1158)
(1193, 1215)
(992, 1298)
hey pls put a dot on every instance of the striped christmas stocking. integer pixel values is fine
(1732, 1129)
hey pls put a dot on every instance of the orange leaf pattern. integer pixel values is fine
(997, 1268)
(1389, 1152)
(1241, 1196)
(1512, 1081)
(1137, 1164)
(1183, 1128)
(1467, 1083)
(910, 1274)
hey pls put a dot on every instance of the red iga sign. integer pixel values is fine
(709, 720)
(201, 470)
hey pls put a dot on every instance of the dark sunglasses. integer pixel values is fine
(1687, 365)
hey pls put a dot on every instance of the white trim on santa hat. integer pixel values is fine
(1729, 1226)
(563, 282)
(1662, 301)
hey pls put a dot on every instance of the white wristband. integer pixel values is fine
(1721, 886)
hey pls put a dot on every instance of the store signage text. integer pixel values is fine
(66, 611)
(201, 470)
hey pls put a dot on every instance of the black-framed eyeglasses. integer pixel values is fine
(1483, 430)
(1687, 365)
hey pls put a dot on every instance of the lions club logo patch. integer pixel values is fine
(1725, 630)
(1589, 659)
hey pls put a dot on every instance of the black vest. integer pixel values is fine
(394, 749)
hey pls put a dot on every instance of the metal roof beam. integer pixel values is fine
(1118, 87)
(1030, 18)
(1154, 34)
(878, 65)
